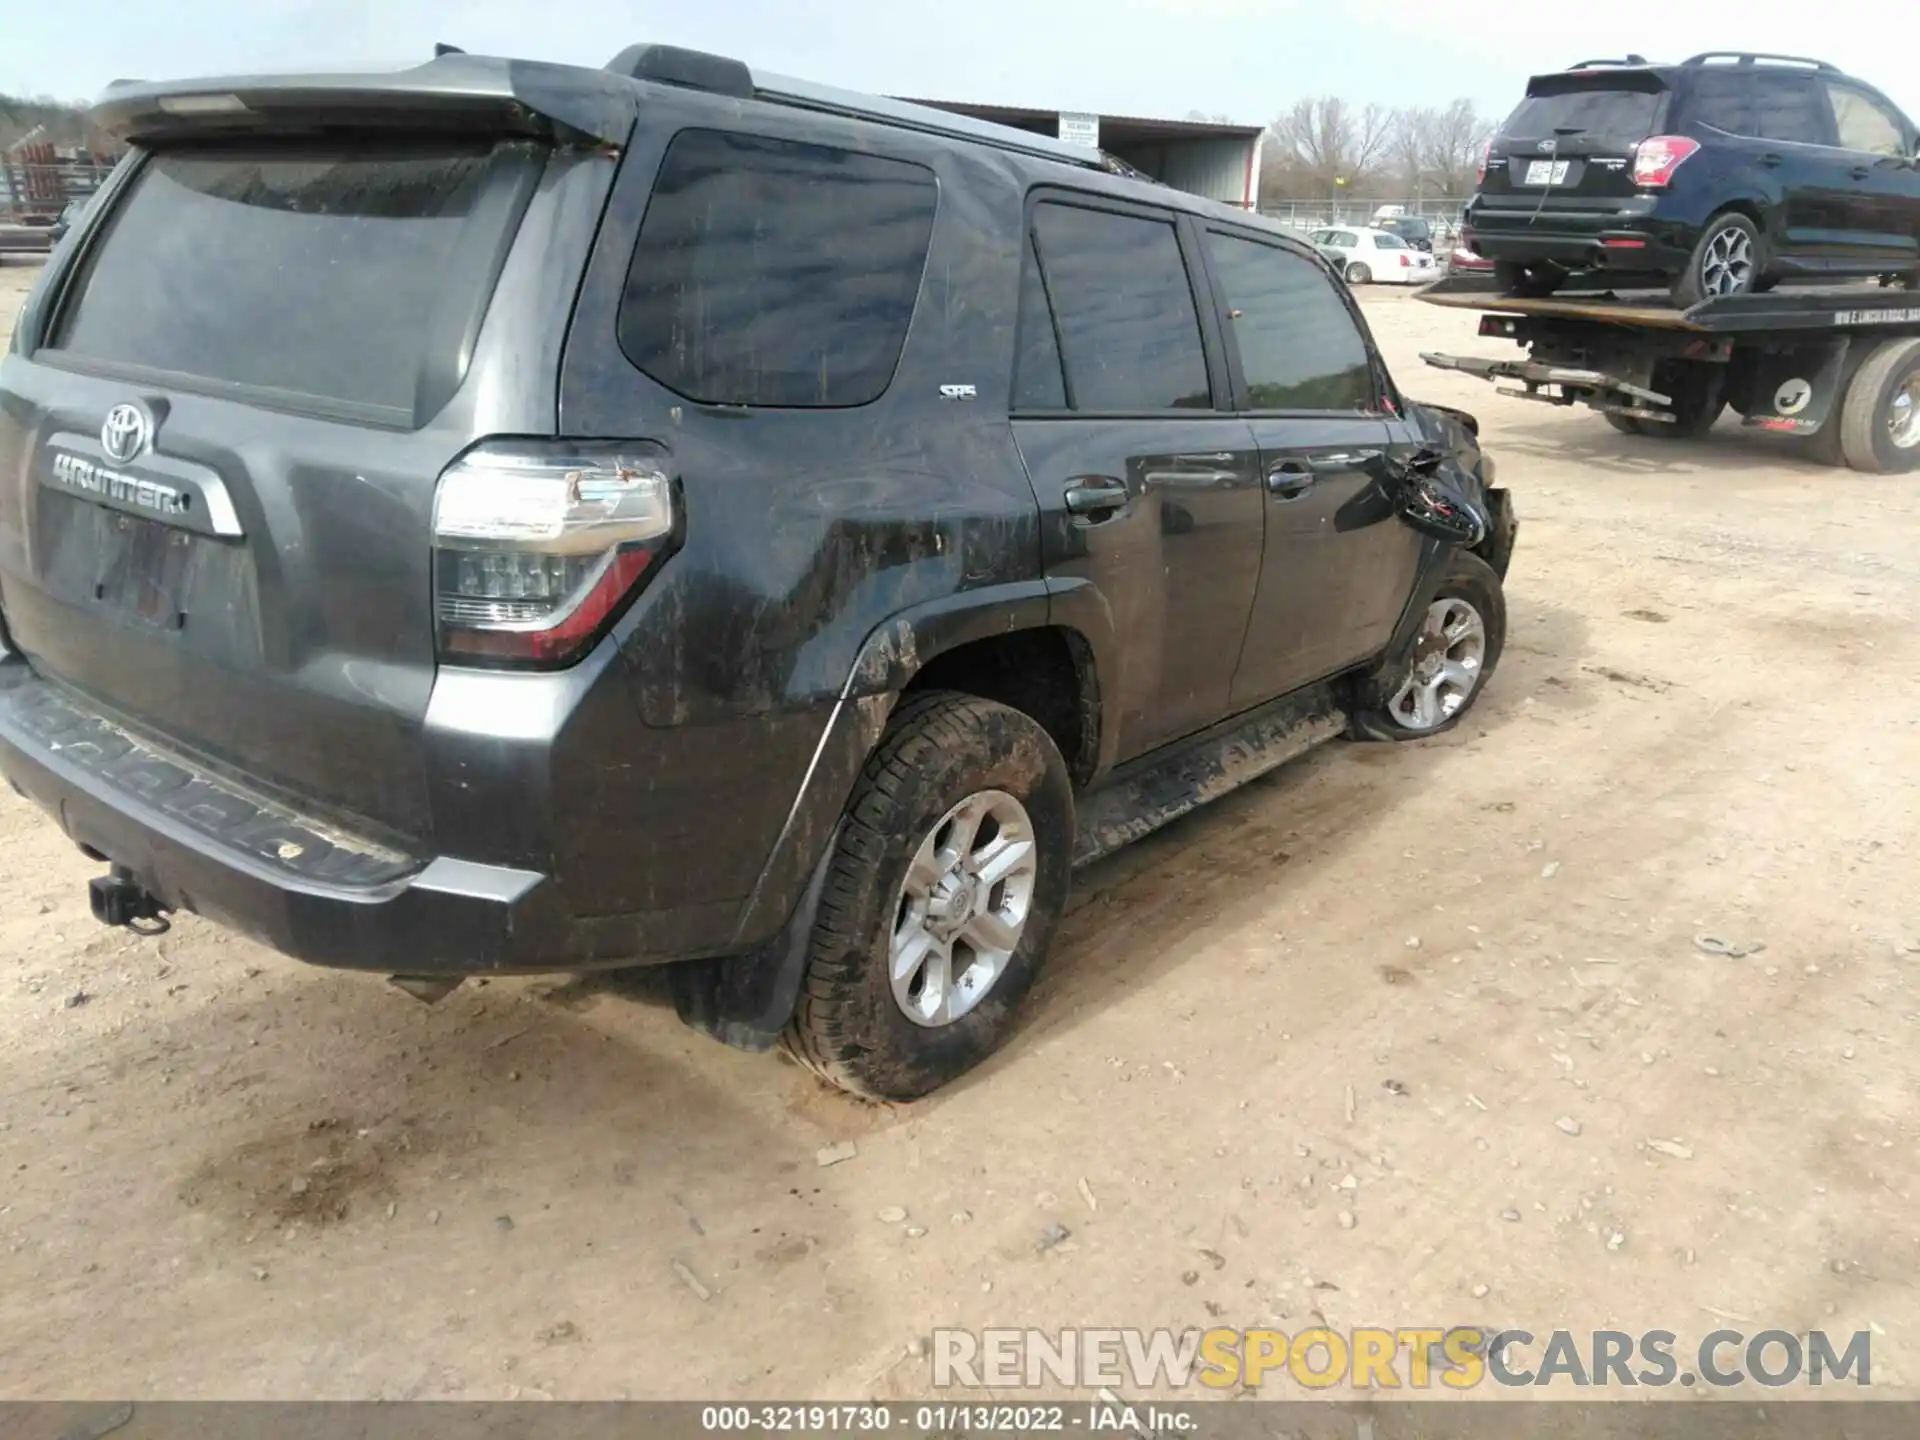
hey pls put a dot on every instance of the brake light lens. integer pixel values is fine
(1405, 260)
(1655, 160)
(1486, 156)
(538, 548)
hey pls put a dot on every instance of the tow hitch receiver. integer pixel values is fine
(118, 900)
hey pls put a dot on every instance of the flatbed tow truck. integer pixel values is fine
(1837, 364)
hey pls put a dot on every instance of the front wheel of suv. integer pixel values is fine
(1459, 643)
(948, 876)
(1729, 259)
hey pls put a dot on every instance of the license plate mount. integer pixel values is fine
(1548, 172)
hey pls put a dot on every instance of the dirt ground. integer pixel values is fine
(224, 1174)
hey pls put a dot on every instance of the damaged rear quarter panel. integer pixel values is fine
(807, 532)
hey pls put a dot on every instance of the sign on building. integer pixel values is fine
(1081, 130)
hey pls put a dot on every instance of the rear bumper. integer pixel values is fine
(1629, 238)
(200, 843)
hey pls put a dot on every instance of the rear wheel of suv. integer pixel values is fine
(1534, 282)
(1729, 259)
(1460, 640)
(948, 876)
(1880, 419)
(1358, 274)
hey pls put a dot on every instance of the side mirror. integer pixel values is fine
(1431, 505)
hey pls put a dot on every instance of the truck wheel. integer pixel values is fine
(948, 877)
(1459, 644)
(1533, 282)
(1625, 424)
(1727, 260)
(1880, 421)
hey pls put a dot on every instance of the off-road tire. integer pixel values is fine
(1689, 288)
(1530, 282)
(1472, 579)
(1862, 419)
(939, 748)
(1358, 274)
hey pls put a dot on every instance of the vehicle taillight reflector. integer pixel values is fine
(1655, 160)
(539, 547)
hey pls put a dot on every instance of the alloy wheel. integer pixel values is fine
(1903, 415)
(1726, 265)
(1448, 656)
(963, 907)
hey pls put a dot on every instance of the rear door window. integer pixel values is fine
(1790, 108)
(1300, 348)
(1129, 329)
(1722, 99)
(1598, 111)
(321, 273)
(1863, 123)
(770, 273)
(1385, 241)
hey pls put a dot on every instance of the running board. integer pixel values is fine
(1162, 788)
(1575, 387)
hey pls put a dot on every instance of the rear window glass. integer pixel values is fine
(1388, 241)
(1614, 113)
(774, 273)
(322, 273)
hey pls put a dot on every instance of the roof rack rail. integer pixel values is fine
(689, 69)
(1596, 64)
(1750, 57)
(697, 70)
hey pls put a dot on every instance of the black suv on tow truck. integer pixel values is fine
(504, 517)
(1719, 176)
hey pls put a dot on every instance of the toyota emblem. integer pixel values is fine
(128, 432)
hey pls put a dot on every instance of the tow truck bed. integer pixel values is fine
(1840, 364)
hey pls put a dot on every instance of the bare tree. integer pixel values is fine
(1332, 141)
(1456, 144)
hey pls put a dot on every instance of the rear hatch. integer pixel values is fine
(224, 418)
(1571, 141)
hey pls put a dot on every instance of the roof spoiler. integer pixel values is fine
(454, 93)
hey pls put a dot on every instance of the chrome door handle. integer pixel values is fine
(1095, 495)
(1290, 479)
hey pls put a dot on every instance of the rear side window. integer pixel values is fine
(1299, 346)
(1789, 108)
(1722, 99)
(1129, 331)
(1598, 111)
(773, 273)
(1864, 124)
(330, 273)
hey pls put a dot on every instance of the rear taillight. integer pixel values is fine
(1486, 155)
(538, 548)
(1655, 160)
(1405, 261)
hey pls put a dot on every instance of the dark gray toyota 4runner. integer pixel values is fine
(502, 517)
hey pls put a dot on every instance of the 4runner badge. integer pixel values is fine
(128, 432)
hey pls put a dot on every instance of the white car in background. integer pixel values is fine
(1378, 257)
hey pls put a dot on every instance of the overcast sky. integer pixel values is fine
(1247, 59)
